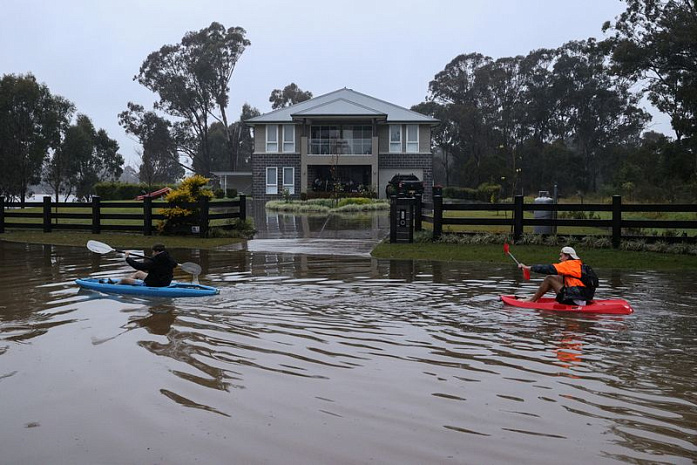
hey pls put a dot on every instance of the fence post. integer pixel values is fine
(243, 207)
(437, 216)
(147, 216)
(2, 214)
(417, 212)
(517, 217)
(96, 215)
(47, 214)
(203, 217)
(393, 219)
(616, 221)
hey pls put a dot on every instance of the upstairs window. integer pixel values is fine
(272, 138)
(412, 138)
(288, 138)
(395, 138)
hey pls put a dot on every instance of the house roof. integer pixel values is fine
(342, 103)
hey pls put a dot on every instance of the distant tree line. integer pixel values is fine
(571, 115)
(42, 140)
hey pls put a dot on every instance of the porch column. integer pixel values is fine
(303, 164)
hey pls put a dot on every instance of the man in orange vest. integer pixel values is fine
(564, 278)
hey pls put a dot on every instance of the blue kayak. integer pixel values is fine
(175, 289)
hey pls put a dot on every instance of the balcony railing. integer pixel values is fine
(340, 146)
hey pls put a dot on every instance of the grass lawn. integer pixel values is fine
(116, 240)
(534, 254)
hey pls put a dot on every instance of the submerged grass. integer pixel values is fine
(532, 254)
(116, 240)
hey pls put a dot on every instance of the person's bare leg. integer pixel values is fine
(132, 279)
(551, 282)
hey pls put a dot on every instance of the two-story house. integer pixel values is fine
(341, 140)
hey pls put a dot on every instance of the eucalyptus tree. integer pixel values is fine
(31, 120)
(192, 79)
(93, 157)
(655, 44)
(457, 89)
(159, 156)
(289, 95)
(596, 110)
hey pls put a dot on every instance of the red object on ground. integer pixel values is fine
(155, 194)
(610, 306)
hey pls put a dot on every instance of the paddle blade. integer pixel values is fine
(191, 268)
(526, 274)
(506, 248)
(99, 247)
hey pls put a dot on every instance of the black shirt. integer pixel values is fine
(160, 268)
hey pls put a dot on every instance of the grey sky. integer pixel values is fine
(88, 51)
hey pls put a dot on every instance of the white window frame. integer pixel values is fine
(272, 138)
(272, 187)
(288, 144)
(395, 145)
(413, 145)
(289, 185)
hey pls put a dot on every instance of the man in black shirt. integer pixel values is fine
(156, 270)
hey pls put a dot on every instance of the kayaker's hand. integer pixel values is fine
(523, 266)
(127, 253)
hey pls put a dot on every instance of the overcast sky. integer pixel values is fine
(89, 50)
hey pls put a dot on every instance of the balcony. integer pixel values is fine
(341, 146)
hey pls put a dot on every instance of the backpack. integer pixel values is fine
(589, 278)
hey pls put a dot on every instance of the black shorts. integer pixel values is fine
(562, 298)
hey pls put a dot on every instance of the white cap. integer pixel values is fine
(570, 251)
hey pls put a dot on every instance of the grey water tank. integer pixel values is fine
(543, 197)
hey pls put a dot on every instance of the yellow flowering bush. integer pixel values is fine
(179, 219)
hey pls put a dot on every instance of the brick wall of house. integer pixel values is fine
(260, 161)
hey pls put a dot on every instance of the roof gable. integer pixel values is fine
(343, 102)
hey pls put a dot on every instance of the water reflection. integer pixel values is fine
(299, 349)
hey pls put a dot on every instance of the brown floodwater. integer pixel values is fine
(314, 353)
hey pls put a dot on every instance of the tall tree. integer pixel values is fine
(655, 42)
(192, 81)
(656, 45)
(289, 95)
(30, 125)
(159, 157)
(94, 157)
(224, 159)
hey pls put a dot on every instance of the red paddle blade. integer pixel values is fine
(506, 248)
(526, 274)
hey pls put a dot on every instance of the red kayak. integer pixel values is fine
(610, 306)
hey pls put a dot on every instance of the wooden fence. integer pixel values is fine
(102, 217)
(617, 226)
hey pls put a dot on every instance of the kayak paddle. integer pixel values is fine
(102, 248)
(507, 251)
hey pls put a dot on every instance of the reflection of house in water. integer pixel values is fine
(281, 225)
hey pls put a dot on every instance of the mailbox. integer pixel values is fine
(402, 219)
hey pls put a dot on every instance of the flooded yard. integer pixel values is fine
(315, 353)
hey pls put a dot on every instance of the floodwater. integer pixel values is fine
(314, 353)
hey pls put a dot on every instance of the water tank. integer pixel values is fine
(543, 197)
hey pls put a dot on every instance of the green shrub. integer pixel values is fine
(179, 219)
(230, 193)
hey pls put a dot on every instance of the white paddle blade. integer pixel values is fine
(99, 247)
(191, 268)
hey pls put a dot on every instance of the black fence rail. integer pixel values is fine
(103, 217)
(619, 227)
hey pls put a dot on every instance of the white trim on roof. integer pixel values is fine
(343, 102)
